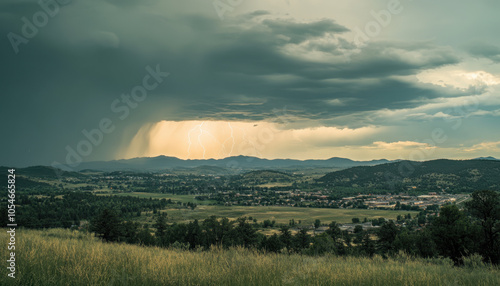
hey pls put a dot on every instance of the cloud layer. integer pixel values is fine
(398, 86)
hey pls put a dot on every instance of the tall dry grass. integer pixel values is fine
(62, 257)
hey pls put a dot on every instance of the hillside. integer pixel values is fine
(61, 257)
(41, 179)
(202, 170)
(43, 172)
(436, 175)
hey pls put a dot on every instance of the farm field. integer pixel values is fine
(280, 214)
(62, 257)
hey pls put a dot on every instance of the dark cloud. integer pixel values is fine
(300, 32)
(488, 51)
(257, 13)
(65, 78)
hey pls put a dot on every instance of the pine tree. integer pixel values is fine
(107, 225)
(161, 229)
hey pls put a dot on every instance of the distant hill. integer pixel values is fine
(263, 177)
(39, 178)
(236, 163)
(436, 175)
(42, 172)
(202, 170)
(487, 158)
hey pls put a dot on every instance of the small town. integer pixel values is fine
(297, 198)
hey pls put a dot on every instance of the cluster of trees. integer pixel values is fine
(32, 187)
(72, 207)
(454, 233)
(405, 207)
(212, 231)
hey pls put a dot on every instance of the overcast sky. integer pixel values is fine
(275, 79)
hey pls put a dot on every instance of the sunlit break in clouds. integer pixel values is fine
(221, 139)
(189, 139)
(203, 139)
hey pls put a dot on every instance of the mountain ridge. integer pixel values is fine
(233, 164)
(162, 162)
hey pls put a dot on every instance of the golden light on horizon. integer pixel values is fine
(220, 139)
(197, 139)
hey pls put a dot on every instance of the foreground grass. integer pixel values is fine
(61, 257)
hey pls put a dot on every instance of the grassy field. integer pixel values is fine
(281, 214)
(273, 185)
(175, 198)
(61, 257)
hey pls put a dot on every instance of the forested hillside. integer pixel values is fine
(449, 175)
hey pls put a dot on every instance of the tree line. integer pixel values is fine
(65, 210)
(454, 234)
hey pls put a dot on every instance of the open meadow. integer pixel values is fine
(62, 257)
(175, 198)
(276, 213)
(281, 214)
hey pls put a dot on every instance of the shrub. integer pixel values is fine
(473, 261)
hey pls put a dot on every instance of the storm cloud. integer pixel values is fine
(68, 75)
